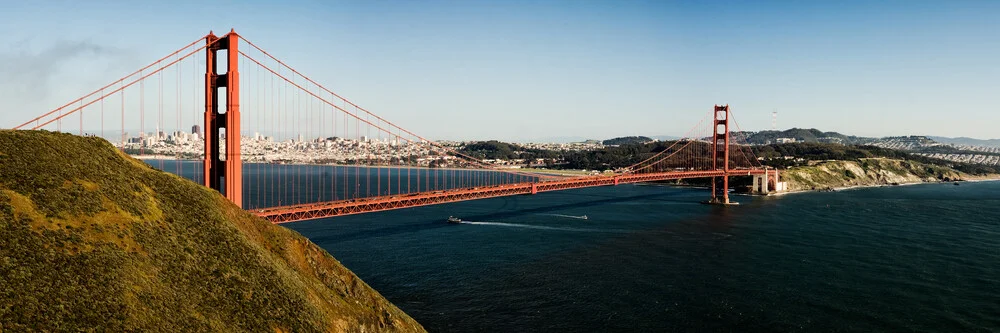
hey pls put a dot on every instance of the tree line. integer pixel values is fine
(773, 155)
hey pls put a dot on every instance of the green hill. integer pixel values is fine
(811, 135)
(92, 240)
(868, 172)
(625, 140)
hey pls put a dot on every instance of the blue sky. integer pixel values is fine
(528, 70)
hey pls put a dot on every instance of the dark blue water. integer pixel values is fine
(650, 258)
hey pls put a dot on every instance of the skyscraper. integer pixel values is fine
(196, 129)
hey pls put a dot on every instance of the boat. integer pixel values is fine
(956, 184)
(584, 217)
(452, 219)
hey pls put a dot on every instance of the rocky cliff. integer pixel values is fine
(866, 172)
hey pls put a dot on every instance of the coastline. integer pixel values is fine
(993, 178)
(840, 175)
(161, 157)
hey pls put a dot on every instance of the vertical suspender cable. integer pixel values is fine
(102, 115)
(159, 120)
(142, 115)
(122, 92)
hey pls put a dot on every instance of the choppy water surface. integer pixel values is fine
(650, 258)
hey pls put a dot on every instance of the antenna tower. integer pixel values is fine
(774, 120)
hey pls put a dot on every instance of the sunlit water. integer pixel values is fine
(650, 258)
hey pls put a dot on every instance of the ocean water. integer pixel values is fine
(651, 258)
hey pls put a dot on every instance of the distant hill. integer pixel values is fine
(967, 141)
(626, 140)
(665, 137)
(93, 240)
(803, 135)
(556, 139)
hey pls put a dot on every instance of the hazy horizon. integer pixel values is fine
(114, 135)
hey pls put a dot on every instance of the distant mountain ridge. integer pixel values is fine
(626, 140)
(799, 134)
(554, 139)
(966, 141)
(665, 137)
(803, 135)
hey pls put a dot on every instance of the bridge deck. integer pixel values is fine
(293, 213)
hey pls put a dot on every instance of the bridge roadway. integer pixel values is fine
(294, 213)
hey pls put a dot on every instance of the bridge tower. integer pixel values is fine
(720, 154)
(223, 170)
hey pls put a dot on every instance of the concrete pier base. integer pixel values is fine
(720, 202)
(767, 183)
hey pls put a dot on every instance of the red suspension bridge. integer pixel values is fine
(285, 147)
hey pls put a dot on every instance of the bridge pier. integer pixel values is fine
(761, 184)
(720, 192)
(767, 183)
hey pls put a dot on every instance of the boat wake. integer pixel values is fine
(540, 227)
(581, 217)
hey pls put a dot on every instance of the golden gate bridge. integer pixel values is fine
(234, 90)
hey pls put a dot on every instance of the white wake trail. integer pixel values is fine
(539, 227)
(581, 217)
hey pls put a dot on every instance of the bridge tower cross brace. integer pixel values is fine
(720, 153)
(227, 170)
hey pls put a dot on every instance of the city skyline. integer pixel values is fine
(530, 71)
(115, 134)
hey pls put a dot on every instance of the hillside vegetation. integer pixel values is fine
(626, 140)
(866, 172)
(92, 240)
(810, 135)
(501, 150)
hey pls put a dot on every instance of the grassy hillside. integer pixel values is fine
(625, 140)
(800, 134)
(866, 172)
(93, 240)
